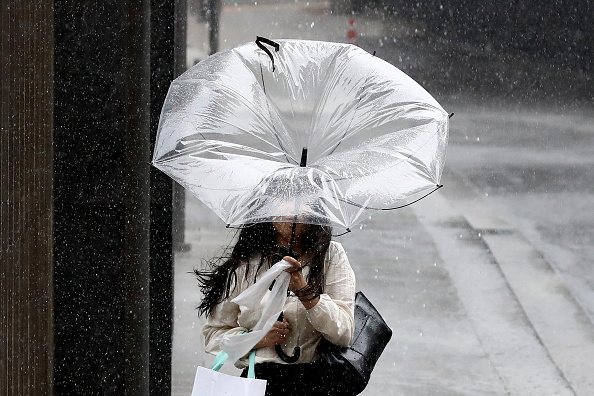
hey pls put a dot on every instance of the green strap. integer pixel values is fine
(219, 361)
(222, 357)
(251, 369)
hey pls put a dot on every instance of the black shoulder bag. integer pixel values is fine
(351, 367)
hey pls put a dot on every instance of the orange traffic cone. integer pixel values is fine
(352, 32)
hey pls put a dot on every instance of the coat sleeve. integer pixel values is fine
(221, 323)
(333, 315)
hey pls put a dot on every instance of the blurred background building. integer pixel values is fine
(560, 31)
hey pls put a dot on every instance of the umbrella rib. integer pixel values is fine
(437, 187)
(347, 130)
(292, 108)
(354, 112)
(407, 156)
(235, 92)
(352, 118)
(208, 116)
(324, 96)
(270, 114)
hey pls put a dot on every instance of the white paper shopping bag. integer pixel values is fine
(212, 383)
(209, 382)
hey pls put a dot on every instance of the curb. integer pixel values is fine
(560, 322)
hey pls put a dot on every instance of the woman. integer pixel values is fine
(320, 304)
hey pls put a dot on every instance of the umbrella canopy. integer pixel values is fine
(314, 131)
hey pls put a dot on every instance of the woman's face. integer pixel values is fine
(284, 228)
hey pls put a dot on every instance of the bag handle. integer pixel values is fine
(222, 357)
(252, 366)
(219, 361)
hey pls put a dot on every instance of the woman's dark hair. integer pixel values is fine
(219, 280)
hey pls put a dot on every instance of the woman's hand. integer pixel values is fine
(298, 283)
(297, 279)
(277, 335)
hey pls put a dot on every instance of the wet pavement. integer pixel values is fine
(475, 305)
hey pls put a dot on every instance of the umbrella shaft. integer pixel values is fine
(293, 234)
(302, 164)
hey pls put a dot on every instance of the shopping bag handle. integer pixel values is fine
(222, 357)
(219, 361)
(251, 367)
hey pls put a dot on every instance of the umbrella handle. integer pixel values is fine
(281, 354)
(260, 40)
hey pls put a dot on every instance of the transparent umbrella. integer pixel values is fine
(305, 131)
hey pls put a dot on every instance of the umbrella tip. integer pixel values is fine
(344, 233)
(451, 115)
(303, 157)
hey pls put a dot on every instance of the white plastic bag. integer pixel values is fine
(239, 345)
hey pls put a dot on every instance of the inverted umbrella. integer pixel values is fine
(306, 131)
(311, 132)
